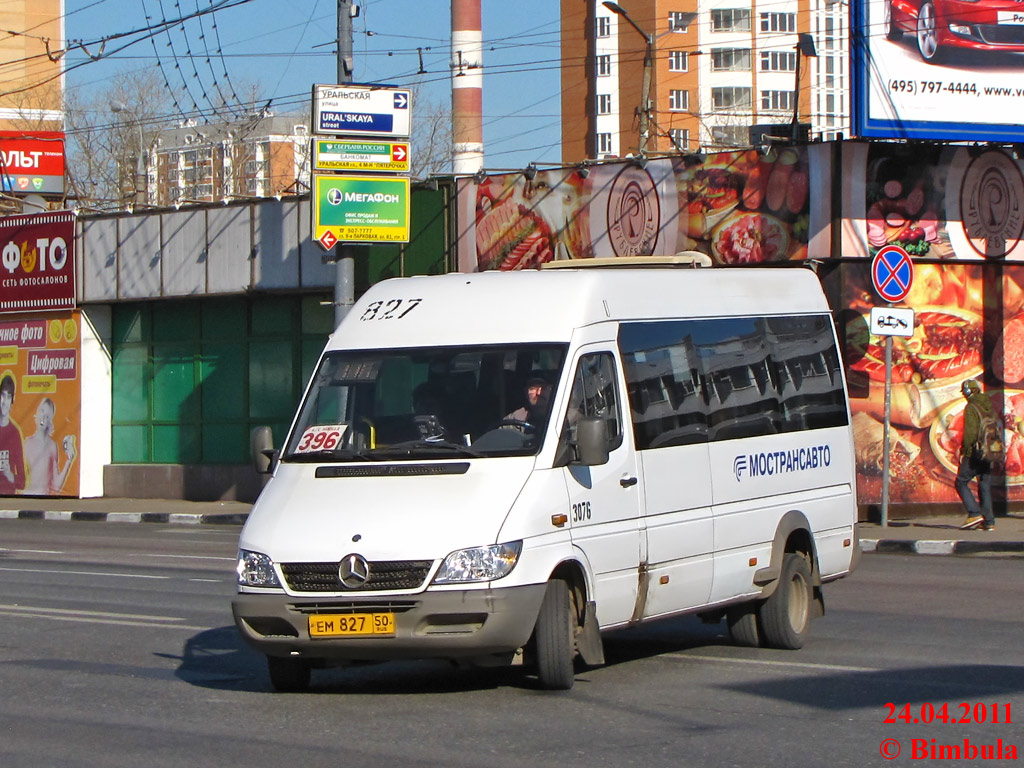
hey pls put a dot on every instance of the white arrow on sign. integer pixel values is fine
(399, 153)
(401, 101)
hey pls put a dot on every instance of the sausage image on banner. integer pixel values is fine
(946, 344)
(1008, 359)
(509, 236)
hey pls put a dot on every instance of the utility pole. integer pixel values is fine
(344, 279)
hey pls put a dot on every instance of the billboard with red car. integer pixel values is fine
(939, 69)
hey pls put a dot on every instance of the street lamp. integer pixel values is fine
(805, 46)
(645, 106)
(140, 169)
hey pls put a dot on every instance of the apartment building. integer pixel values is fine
(30, 65)
(716, 68)
(261, 157)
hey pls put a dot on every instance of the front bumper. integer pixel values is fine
(431, 625)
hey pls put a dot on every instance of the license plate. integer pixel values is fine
(1014, 18)
(351, 624)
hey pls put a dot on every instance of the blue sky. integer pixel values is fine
(283, 47)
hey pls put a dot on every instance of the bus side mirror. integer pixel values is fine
(591, 441)
(263, 454)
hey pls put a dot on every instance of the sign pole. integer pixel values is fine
(885, 431)
(892, 274)
(344, 278)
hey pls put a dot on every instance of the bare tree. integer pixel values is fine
(109, 133)
(431, 138)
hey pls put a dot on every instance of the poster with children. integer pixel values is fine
(40, 404)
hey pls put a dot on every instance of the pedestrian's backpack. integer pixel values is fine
(989, 445)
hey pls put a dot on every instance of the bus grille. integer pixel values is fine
(384, 575)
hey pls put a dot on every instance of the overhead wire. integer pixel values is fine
(163, 72)
(174, 55)
(420, 74)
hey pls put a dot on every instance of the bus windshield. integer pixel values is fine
(434, 403)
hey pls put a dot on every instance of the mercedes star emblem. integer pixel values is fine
(353, 571)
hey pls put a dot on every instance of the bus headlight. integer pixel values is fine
(479, 563)
(255, 570)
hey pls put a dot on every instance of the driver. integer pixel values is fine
(538, 403)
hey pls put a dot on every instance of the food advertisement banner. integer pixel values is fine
(938, 69)
(742, 207)
(969, 323)
(40, 403)
(937, 202)
(37, 262)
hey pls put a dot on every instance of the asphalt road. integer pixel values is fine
(117, 649)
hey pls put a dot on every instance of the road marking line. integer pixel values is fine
(771, 663)
(86, 573)
(88, 620)
(185, 557)
(34, 551)
(81, 612)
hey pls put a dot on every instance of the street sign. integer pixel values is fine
(892, 321)
(892, 273)
(360, 209)
(340, 155)
(361, 110)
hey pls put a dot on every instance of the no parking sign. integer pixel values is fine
(892, 273)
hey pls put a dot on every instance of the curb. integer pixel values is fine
(183, 518)
(868, 546)
(939, 547)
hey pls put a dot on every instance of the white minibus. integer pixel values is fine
(495, 468)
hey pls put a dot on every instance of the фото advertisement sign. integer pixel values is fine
(740, 207)
(360, 209)
(944, 69)
(32, 164)
(37, 262)
(40, 403)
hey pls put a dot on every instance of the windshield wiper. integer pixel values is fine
(333, 454)
(409, 447)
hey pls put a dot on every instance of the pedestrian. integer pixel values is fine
(972, 463)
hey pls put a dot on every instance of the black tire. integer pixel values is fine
(742, 622)
(553, 638)
(786, 616)
(288, 675)
(892, 32)
(928, 34)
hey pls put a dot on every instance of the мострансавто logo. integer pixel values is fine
(768, 463)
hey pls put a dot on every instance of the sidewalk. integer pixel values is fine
(941, 535)
(117, 510)
(935, 535)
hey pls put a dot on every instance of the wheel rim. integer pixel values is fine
(927, 35)
(798, 604)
